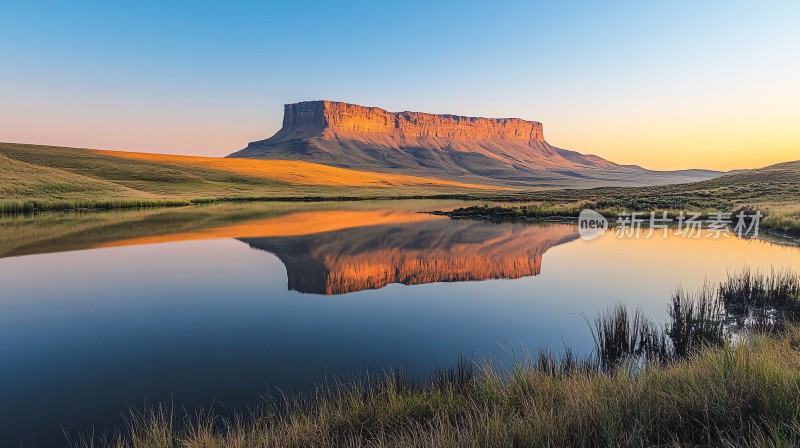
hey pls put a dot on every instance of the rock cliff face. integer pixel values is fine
(317, 116)
(507, 151)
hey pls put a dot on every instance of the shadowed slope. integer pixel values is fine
(298, 172)
(76, 177)
(482, 150)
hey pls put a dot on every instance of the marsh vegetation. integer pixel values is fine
(684, 383)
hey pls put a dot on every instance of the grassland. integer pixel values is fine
(773, 190)
(48, 177)
(34, 177)
(708, 392)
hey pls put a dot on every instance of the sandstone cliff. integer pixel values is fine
(482, 150)
(312, 118)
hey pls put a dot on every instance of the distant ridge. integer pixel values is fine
(482, 150)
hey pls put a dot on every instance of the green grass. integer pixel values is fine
(713, 393)
(728, 396)
(784, 218)
(36, 177)
(25, 187)
(774, 191)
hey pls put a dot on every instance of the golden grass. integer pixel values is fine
(300, 173)
(783, 217)
(36, 177)
(715, 391)
(25, 180)
(746, 395)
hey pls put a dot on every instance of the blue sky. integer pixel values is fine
(662, 84)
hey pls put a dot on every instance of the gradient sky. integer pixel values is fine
(665, 85)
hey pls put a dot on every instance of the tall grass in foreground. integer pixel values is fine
(688, 386)
(19, 207)
(696, 320)
(767, 302)
(745, 301)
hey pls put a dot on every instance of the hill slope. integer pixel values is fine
(26, 179)
(774, 190)
(57, 175)
(480, 150)
(780, 172)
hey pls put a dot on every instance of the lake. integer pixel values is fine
(220, 305)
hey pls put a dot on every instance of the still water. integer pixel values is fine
(217, 306)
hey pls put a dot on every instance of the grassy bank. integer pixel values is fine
(783, 220)
(730, 396)
(35, 177)
(773, 190)
(703, 391)
(12, 207)
(17, 206)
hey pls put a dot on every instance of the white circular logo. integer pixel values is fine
(591, 224)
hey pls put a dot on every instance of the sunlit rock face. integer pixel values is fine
(416, 253)
(313, 116)
(494, 151)
(447, 146)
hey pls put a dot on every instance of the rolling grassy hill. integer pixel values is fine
(57, 177)
(29, 180)
(49, 177)
(778, 183)
(774, 190)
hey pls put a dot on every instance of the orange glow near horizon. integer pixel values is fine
(698, 144)
(716, 137)
(662, 85)
(719, 136)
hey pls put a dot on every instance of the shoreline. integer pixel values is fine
(512, 217)
(686, 382)
(33, 207)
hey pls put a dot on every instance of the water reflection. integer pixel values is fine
(412, 253)
(190, 306)
(63, 232)
(333, 251)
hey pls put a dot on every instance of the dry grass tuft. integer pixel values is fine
(707, 392)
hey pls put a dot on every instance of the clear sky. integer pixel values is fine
(665, 85)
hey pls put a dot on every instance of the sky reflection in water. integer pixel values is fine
(218, 305)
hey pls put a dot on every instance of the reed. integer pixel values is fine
(719, 396)
(679, 384)
(695, 320)
(764, 301)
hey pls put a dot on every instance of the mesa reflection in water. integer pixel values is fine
(412, 253)
(326, 248)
